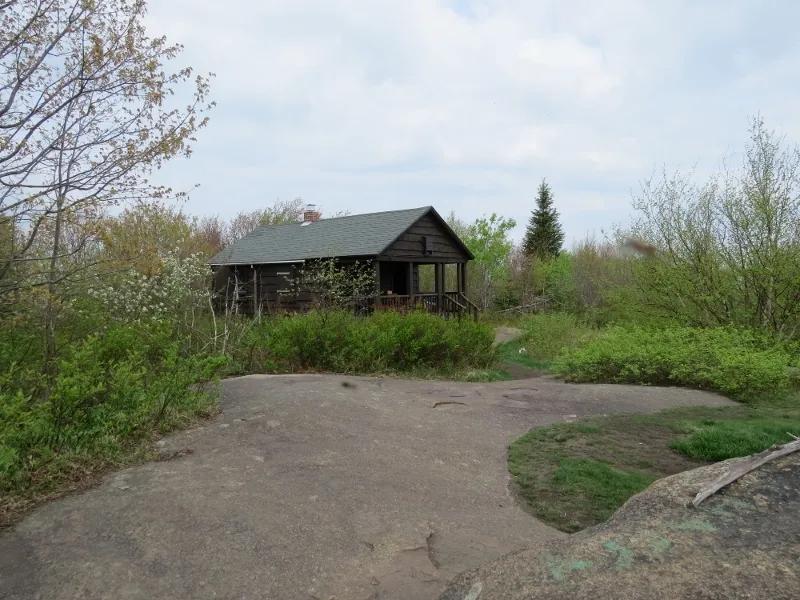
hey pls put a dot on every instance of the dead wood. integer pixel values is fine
(744, 467)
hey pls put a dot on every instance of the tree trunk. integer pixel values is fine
(51, 307)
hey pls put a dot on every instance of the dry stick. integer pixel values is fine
(745, 467)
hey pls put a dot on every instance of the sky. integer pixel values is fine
(370, 105)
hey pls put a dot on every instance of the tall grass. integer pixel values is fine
(547, 335)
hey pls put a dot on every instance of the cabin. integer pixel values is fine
(255, 274)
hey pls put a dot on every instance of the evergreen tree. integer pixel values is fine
(544, 236)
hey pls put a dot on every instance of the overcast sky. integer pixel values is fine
(368, 105)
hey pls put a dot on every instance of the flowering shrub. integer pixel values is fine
(181, 288)
(334, 285)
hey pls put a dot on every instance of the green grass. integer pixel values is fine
(599, 484)
(546, 337)
(516, 352)
(575, 475)
(498, 319)
(548, 334)
(719, 440)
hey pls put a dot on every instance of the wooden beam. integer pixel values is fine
(255, 290)
(440, 283)
(410, 288)
(377, 283)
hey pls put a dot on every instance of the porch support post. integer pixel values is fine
(410, 286)
(440, 286)
(463, 278)
(255, 290)
(377, 282)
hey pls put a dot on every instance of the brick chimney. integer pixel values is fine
(310, 213)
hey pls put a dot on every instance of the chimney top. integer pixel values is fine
(310, 213)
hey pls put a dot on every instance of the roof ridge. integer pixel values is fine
(380, 212)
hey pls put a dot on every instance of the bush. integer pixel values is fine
(738, 362)
(385, 342)
(107, 393)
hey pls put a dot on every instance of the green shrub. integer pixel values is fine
(385, 342)
(107, 392)
(738, 362)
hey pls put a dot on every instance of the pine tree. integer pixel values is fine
(544, 236)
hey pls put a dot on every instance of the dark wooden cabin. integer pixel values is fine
(255, 273)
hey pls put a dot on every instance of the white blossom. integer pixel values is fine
(180, 288)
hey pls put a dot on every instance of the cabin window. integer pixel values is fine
(428, 244)
(284, 282)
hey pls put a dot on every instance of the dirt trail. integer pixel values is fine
(504, 335)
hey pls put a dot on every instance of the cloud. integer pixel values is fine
(466, 105)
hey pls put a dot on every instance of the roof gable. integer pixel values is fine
(354, 235)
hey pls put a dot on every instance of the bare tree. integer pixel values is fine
(282, 211)
(87, 112)
(728, 250)
(210, 232)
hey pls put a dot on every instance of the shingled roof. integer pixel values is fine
(355, 235)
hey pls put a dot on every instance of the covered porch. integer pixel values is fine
(398, 287)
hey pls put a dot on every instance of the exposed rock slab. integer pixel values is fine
(743, 542)
(304, 488)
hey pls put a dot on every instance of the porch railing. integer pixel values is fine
(464, 304)
(452, 303)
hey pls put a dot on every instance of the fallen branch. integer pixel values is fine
(537, 304)
(744, 467)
